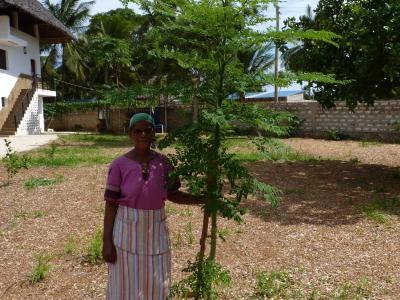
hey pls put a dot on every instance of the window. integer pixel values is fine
(3, 59)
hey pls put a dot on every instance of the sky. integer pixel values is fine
(289, 8)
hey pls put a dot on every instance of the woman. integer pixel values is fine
(136, 242)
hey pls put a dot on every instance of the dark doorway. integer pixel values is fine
(33, 67)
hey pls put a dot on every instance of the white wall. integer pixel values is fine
(33, 119)
(18, 62)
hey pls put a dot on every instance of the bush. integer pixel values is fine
(41, 269)
(337, 135)
(95, 248)
(13, 161)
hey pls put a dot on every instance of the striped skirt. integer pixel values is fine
(143, 267)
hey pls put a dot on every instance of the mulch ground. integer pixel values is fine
(318, 233)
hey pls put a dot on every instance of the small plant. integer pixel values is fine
(177, 242)
(71, 246)
(379, 210)
(275, 285)
(186, 212)
(95, 247)
(337, 135)
(39, 181)
(206, 276)
(223, 233)
(349, 291)
(171, 209)
(370, 143)
(13, 162)
(373, 212)
(189, 233)
(52, 150)
(39, 214)
(274, 150)
(354, 160)
(41, 269)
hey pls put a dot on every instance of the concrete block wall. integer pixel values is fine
(73, 121)
(374, 122)
(364, 122)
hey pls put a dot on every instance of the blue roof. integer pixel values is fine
(262, 95)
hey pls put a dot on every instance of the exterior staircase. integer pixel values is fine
(19, 100)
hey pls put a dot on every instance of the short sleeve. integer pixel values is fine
(173, 183)
(113, 185)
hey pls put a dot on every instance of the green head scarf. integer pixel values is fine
(140, 117)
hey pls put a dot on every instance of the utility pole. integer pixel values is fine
(276, 54)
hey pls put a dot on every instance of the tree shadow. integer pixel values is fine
(327, 193)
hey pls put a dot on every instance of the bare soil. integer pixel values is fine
(318, 232)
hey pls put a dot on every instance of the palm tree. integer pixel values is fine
(255, 61)
(290, 54)
(73, 14)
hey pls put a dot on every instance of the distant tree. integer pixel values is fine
(122, 23)
(68, 59)
(110, 56)
(368, 52)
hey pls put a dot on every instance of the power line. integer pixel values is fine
(79, 86)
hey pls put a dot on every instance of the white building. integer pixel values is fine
(24, 26)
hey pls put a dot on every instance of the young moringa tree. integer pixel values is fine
(208, 37)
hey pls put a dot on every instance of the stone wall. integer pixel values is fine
(74, 121)
(374, 122)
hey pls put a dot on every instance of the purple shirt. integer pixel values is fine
(126, 186)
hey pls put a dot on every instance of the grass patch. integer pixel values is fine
(249, 157)
(264, 149)
(71, 156)
(381, 209)
(71, 246)
(94, 255)
(274, 285)
(275, 150)
(98, 140)
(370, 143)
(349, 291)
(41, 268)
(35, 182)
(281, 285)
(79, 149)
(38, 214)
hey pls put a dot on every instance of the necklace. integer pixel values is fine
(145, 170)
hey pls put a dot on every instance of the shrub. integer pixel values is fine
(13, 161)
(41, 269)
(95, 247)
(273, 285)
(337, 135)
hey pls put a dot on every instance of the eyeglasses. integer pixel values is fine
(146, 131)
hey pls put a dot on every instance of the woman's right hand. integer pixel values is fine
(109, 252)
